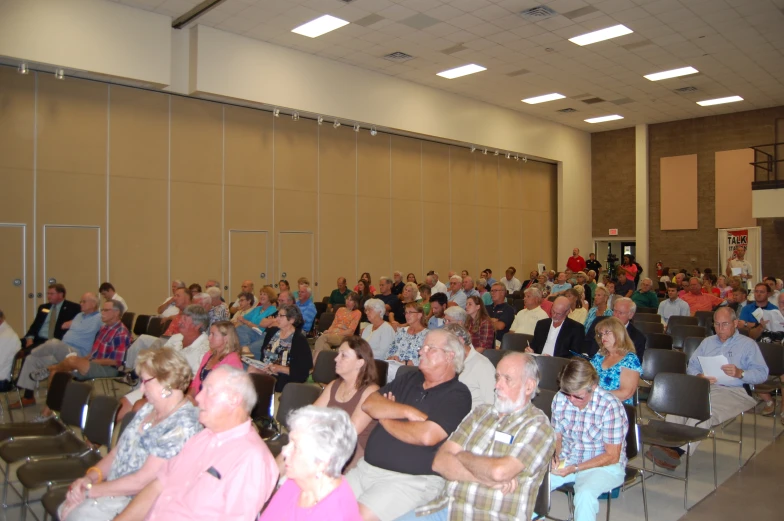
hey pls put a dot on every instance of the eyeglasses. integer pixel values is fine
(281, 315)
(425, 349)
(722, 325)
(600, 334)
(148, 379)
(576, 397)
(497, 290)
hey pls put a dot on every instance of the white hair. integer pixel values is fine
(213, 292)
(376, 305)
(238, 382)
(632, 305)
(451, 344)
(326, 435)
(534, 292)
(457, 313)
(385, 279)
(458, 278)
(307, 288)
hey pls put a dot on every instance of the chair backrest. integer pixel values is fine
(648, 327)
(705, 319)
(679, 333)
(655, 361)
(324, 321)
(646, 317)
(643, 309)
(74, 410)
(518, 304)
(382, 368)
(127, 319)
(324, 369)
(679, 320)
(774, 357)
(544, 401)
(633, 434)
(141, 325)
(336, 307)
(494, 355)
(403, 369)
(321, 307)
(680, 394)
(549, 368)
(325, 300)
(154, 326)
(690, 345)
(658, 341)
(515, 341)
(542, 504)
(56, 392)
(293, 397)
(265, 391)
(127, 419)
(99, 426)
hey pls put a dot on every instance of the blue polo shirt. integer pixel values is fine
(750, 307)
(81, 334)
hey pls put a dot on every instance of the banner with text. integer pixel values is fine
(732, 238)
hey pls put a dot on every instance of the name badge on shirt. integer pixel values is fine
(44, 310)
(503, 437)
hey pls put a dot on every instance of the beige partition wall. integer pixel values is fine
(112, 183)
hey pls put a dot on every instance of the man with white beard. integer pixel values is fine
(496, 459)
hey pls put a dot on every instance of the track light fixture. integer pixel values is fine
(23, 69)
(517, 158)
(508, 155)
(320, 120)
(525, 159)
(496, 153)
(484, 151)
(276, 113)
(473, 149)
(336, 124)
(373, 131)
(295, 116)
(356, 127)
(59, 74)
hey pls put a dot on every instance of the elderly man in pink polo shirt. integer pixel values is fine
(225, 472)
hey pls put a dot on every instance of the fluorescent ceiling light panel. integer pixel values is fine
(719, 101)
(683, 71)
(541, 99)
(602, 119)
(465, 70)
(603, 34)
(319, 26)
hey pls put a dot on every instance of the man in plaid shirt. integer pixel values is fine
(496, 459)
(590, 425)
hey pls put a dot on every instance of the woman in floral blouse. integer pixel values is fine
(409, 339)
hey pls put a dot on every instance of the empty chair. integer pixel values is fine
(679, 333)
(646, 317)
(544, 401)
(516, 341)
(141, 325)
(155, 326)
(642, 309)
(705, 319)
(549, 369)
(324, 369)
(681, 395)
(321, 308)
(265, 391)
(55, 400)
(679, 320)
(648, 327)
(127, 320)
(324, 321)
(656, 361)
(690, 345)
(293, 397)
(494, 355)
(658, 341)
(382, 367)
(774, 359)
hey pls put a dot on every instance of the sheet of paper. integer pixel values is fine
(774, 319)
(758, 314)
(737, 271)
(711, 366)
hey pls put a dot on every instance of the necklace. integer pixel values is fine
(151, 419)
(345, 396)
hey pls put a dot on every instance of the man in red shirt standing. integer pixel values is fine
(575, 262)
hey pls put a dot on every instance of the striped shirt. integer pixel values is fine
(585, 431)
(532, 442)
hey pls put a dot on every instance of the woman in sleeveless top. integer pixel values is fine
(357, 379)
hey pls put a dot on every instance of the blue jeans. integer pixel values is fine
(588, 486)
(247, 336)
(440, 515)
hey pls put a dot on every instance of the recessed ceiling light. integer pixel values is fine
(602, 119)
(464, 70)
(683, 71)
(541, 99)
(719, 101)
(603, 34)
(319, 26)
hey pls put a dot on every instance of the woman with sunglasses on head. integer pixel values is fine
(616, 362)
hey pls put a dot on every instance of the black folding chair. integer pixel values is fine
(680, 333)
(155, 327)
(650, 311)
(518, 304)
(680, 320)
(516, 341)
(141, 325)
(324, 322)
(544, 401)
(324, 369)
(382, 368)
(657, 341)
(646, 317)
(127, 320)
(549, 369)
(649, 327)
(705, 319)
(657, 361)
(494, 355)
(54, 401)
(774, 358)
(293, 397)
(261, 415)
(690, 345)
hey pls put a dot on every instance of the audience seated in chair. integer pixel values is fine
(50, 317)
(478, 324)
(478, 373)
(219, 311)
(224, 350)
(699, 301)
(558, 336)
(169, 306)
(502, 314)
(616, 363)
(10, 345)
(306, 307)
(526, 319)
(624, 311)
(672, 306)
(379, 334)
(252, 325)
(247, 287)
(600, 307)
(645, 297)
(343, 326)
(338, 295)
(107, 291)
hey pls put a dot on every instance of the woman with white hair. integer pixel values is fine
(600, 307)
(219, 311)
(379, 334)
(321, 441)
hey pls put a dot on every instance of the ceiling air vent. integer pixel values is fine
(686, 89)
(398, 57)
(537, 14)
(567, 110)
(591, 101)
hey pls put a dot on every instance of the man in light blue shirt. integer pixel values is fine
(561, 287)
(454, 294)
(673, 305)
(79, 338)
(728, 399)
(468, 287)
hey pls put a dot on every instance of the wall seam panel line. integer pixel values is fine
(223, 195)
(449, 167)
(356, 202)
(108, 160)
(317, 250)
(422, 207)
(391, 238)
(35, 191)
(277, 264)
(168, 198)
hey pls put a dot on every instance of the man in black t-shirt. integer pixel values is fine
(593, 264)
(416, 412)
(501, 313)
(390, 300)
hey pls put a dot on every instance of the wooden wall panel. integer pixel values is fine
(435, 172)
(679, 192)
(337, 241)
(462, 170)
(406, 168)
(406, 236)
(248, 141)
(296, 154)
(510, 185)
(373, 165)
(138, 134)
(247, 208)
(373, 244)
(196, 236)
(734, 175)
(486, 181)
(437, 250)
(510, 226)
(337, 162)
(465, 237)
(196, 141)
(17, 117)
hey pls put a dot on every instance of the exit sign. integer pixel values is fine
(613, 231)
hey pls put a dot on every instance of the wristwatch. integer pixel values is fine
(742, 374)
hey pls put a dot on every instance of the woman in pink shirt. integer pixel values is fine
(224, 350)
(321, 441)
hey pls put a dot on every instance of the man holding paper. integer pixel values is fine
(752, 314)
(729, 360)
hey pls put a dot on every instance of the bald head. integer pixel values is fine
(560, 310)
(89, 303)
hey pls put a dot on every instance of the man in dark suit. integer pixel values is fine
(623, 310)
(51, 317)
(559, 335)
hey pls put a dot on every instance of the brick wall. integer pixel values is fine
(705, 137)
(613, 182)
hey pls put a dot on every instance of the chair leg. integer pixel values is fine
(25, 500)
(5, 485)
(609, 502)
(715, 474)
(686, 480)
(644, 494)
(740, 442)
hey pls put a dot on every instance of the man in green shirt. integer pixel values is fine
(644, 297)
(338, 296)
